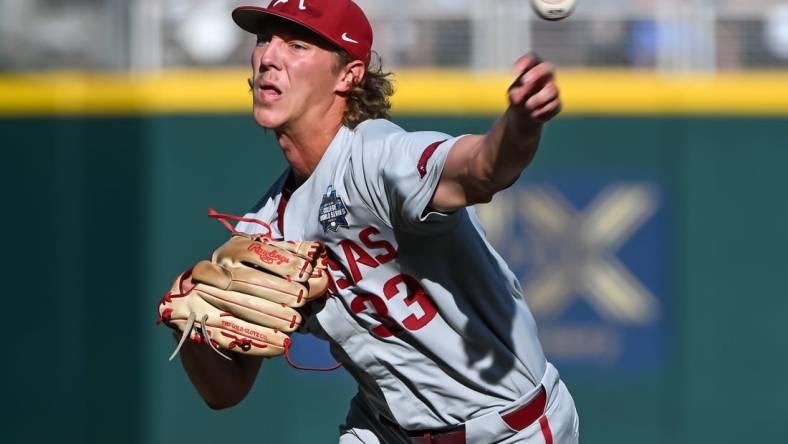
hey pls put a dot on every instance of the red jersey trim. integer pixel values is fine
(425, 157)
(546, 432)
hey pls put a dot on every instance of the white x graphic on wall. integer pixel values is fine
(572, 253)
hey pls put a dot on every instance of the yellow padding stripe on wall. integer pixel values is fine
(418, 92)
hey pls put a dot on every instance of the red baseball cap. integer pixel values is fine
(342, 22)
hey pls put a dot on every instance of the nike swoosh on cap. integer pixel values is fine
(347, 38)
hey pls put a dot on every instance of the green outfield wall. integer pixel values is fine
(102, 212)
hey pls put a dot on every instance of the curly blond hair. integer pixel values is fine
(369, 99)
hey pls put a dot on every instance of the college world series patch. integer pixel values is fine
(332, 211)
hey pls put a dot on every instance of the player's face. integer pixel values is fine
(294, 76)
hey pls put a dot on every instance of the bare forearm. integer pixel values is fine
(220, 382)
(507, 149)
(514, 138)
(477, 167)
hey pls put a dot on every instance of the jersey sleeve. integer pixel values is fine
(398, 175)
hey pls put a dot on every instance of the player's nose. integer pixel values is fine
(270, 54)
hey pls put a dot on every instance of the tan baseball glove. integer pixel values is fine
(245, 298)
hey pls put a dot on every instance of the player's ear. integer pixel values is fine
(351, 74)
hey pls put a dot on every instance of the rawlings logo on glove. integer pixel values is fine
(244, 298)
(269, 257)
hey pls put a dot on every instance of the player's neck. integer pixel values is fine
(304, 146)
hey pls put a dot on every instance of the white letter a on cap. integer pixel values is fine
(301, 5)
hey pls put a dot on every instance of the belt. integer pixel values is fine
(517, 419)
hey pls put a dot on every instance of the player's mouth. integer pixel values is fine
(268, 91)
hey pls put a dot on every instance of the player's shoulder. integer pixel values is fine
(376, 130)
(382, 134)
(372, 141)
(374, 127)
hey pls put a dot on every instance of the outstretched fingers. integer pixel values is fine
(535, 91)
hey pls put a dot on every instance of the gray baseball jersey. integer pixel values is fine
(425, 314)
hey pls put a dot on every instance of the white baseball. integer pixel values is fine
(553, 9)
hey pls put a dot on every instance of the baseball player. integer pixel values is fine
(421, 310)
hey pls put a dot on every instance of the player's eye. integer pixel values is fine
(298, 46)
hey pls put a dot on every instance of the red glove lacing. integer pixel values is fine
(223, 219)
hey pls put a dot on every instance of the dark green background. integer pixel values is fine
(101, 213)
